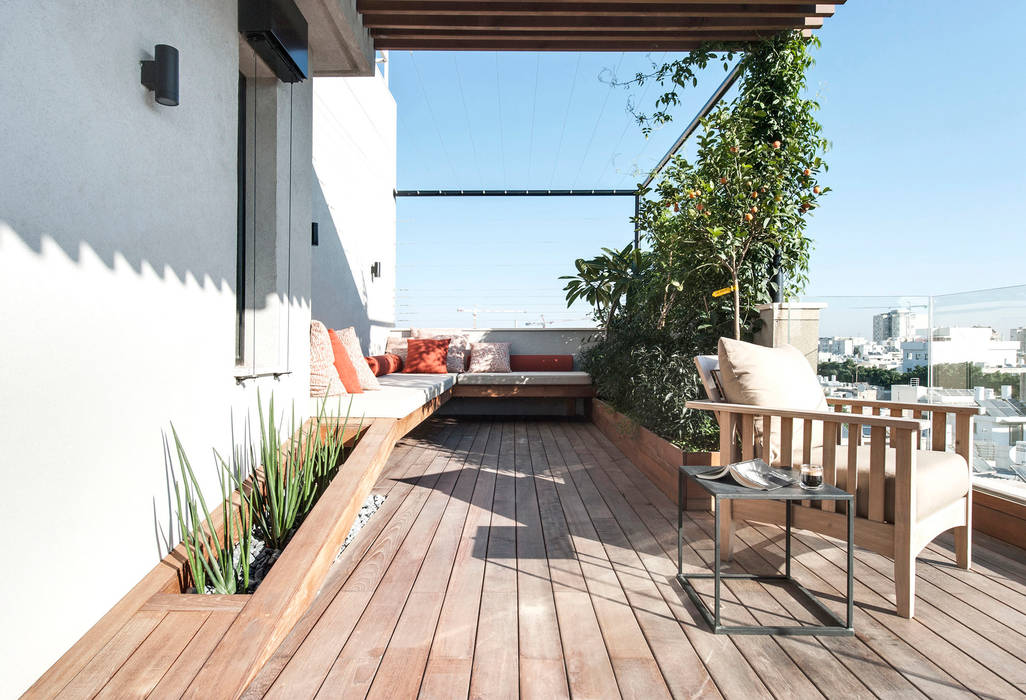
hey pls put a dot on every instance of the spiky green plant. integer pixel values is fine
(212, 557)
(294, 476)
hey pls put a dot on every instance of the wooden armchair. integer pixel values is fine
(905, 495)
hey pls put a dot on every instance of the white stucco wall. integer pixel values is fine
(117, 275)
(355, 164)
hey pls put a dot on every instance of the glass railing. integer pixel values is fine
(957, 349)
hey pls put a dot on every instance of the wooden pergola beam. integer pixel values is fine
(380, 24)
(593, 8)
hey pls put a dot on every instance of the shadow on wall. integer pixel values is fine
(338, 300)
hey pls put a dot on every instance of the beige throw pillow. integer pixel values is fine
(363, 371)
(324, 379)
(776, 378)
(394, 345)
(489, 357)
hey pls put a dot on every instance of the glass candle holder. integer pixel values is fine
(811, 477)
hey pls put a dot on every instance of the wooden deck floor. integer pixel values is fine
(530, 559)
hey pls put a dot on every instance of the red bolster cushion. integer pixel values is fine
(541, 363)
(384, 364)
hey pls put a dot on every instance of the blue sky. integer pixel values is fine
(923, 105)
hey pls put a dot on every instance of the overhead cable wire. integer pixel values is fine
(566, 115)
(627, 125)
(602, 111)
(498, 98)
(534, 108)
(431, 112)
(466, 116)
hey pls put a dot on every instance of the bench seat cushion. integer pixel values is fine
(526, 378)
(399, 396)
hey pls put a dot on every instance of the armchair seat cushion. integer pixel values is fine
(941, 479)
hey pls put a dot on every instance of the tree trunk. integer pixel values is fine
(737, 308)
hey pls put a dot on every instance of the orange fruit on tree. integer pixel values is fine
(723, 181)
(776, 144)
(755, 195)
(748, 217)
(807, 172)
(754, 210)
(816, 189)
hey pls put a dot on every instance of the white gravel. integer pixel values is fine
(368, 509)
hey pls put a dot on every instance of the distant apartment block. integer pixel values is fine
(952, 344)
(897, 323)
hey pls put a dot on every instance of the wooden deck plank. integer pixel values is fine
(102, 667)
(450, 661)
(188, 663)
(637, 672)
(148, 664)
(416, 563)
(495, 670)
(682, 669)
(408, 463)
(549, 570)
(542, 669)
(306, 668)
(741, 666)
(877, 598)
(401, 668)
(589, 670)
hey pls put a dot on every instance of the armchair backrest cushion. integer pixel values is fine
(774, 377)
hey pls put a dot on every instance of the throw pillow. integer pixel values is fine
(384, 364)
(773, 377)
(344, 365)
(352, 346)
(426, 355)
(324, 379)
(458, 353)
(489, 357)
(395, 345)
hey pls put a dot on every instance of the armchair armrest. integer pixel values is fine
(909, 424)
(897, 405)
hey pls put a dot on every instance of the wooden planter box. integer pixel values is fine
(658, 459)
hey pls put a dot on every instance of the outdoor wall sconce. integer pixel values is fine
(315, 239)
(376, 270)
(161, 75)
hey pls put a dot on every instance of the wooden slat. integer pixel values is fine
(547, 43)
(787, 441)
(169, 602)
(591, 8)
(830, 433)
(383, 23)
(766, 451)
(541, 664)
(589, 669)
(939, 431)
(148, 664)
(807, 426)
(747, 437)
(102, 667)
(877, 462)
(188, 663)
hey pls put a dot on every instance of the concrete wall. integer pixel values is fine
(355, 164)
(794, 323)
(117, 276)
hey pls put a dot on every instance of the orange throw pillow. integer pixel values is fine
(426, 355)
(345, 367)
(381, 365)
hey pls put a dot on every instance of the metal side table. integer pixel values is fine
(726, 490)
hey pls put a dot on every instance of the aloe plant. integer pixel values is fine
(294, 477)
(212, 558)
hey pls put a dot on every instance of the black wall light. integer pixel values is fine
(376, 270)
(315, 238)
(161, 75)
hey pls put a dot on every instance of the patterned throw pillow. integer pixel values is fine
(352, 344)
(395, 345)
(489, 357)
(324, 379)
(459, 346)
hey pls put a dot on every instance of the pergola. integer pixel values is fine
(576, 25)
